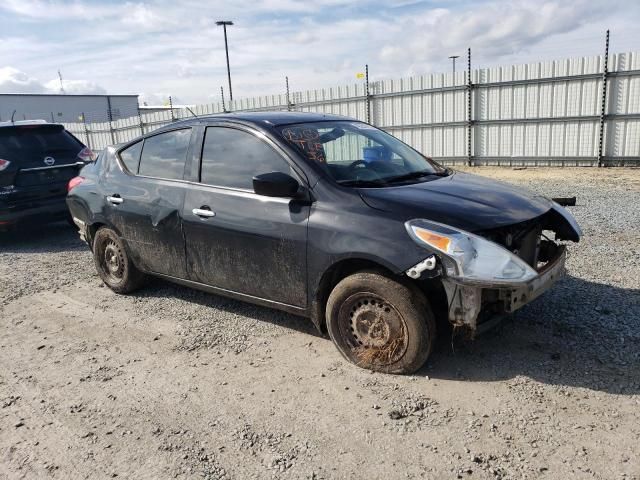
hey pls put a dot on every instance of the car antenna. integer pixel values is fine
(191, 111)
(14, 112)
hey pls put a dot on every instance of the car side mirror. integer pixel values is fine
(276, 184)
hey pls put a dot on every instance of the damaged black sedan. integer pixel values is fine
(325, 217)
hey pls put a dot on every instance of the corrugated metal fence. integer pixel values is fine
(547, 113)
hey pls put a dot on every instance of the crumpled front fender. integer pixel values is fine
(563, 223)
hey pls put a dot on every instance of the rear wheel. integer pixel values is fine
(380, 324)
(113, 264)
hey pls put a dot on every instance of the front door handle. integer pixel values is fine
(204, 212)
(115, 199)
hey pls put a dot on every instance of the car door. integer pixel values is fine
(144, 196)
(235, 239)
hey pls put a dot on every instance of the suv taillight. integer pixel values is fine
(74, 182)
(4, 164)
(86, 155)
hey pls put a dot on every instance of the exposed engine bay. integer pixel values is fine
(537, 242)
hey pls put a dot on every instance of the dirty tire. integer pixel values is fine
(113, 263)
(380, 324)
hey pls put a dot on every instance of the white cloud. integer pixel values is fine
(13, 80)
(491, 29)
(175, 47)
(42, 9)
(158, 98)
(144, 18)
(75, 87)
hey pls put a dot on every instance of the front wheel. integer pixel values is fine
(380, 324)
(113, 263)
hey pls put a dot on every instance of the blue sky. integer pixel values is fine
(161, 47)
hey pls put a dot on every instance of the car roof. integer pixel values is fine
(264, 118)
(19, 123)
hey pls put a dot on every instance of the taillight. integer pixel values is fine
(74, 182)
(86, 155)
(4, 164)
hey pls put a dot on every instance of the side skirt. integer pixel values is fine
(236, 295)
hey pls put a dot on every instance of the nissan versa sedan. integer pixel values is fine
(325, 217)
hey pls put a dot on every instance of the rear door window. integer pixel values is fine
(164, 155)
(30, 144)
(231, 158)
(130, 156)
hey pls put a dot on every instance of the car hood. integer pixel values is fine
(462, 200)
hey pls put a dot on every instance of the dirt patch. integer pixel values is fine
(174, 383)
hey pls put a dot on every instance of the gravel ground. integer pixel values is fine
(174, 383)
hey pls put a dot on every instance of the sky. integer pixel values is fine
(158, 48)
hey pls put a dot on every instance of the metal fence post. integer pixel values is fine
(469, 100)
(603, 105)
(86, 130)
(171, 108)
(286, 79)
(110, 116)
(140, 121)
(367, 95)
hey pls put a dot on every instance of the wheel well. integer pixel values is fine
(91, 232)
(432, 288)
(332, 277)
(93, 229)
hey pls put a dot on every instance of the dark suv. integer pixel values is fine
(325, 217)
(37, 160)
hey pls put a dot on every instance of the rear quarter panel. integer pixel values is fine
(86, 201)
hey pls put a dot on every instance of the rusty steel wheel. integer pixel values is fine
(379, 323)
(374, 330)
(113, 264)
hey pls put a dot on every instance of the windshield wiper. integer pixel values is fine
(361, 183)
(417, 174)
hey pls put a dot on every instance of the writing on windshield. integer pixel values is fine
(355, 153)
(308, 140)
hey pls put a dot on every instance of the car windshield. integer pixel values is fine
(357, 154)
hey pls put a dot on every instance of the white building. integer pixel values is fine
(62, 108)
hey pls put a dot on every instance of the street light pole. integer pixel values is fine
(453, 57)
(224, 24)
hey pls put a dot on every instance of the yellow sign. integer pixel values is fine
(360, 75)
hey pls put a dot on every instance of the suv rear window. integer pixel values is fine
(24, 144)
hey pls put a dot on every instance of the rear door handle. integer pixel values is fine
(203, 212)
(115, 199)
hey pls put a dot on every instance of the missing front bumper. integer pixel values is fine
(553, 271)
(466, 299)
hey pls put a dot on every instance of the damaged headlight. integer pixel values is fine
(470, 257)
